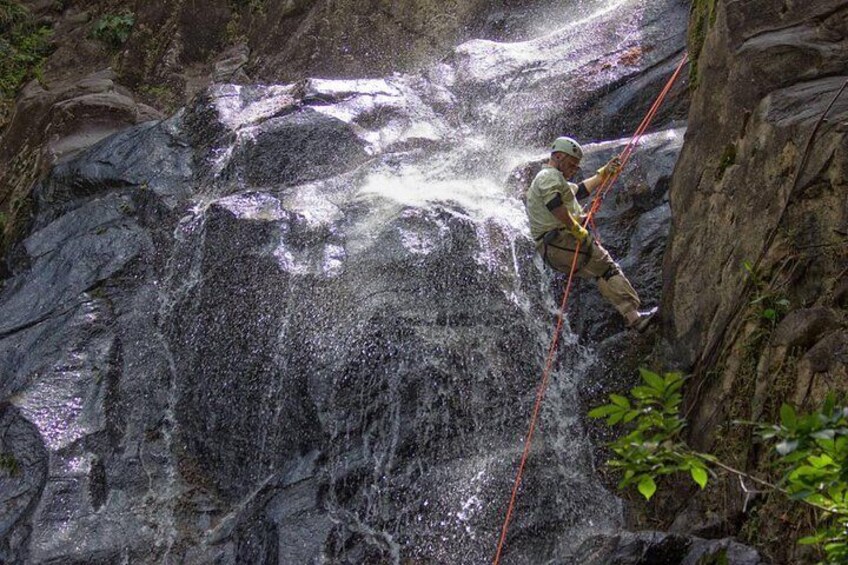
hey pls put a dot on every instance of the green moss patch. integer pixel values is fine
(9, 466)
(702, 16)
(114, 29)
(728, 158)
(24, 45)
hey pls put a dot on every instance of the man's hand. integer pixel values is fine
(580, 233)
(610, 168)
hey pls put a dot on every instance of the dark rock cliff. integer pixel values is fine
(761, 180)
(303, 322)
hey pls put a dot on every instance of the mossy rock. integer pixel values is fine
(701, 17)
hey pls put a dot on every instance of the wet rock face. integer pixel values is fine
(343, 39)
(656, 548)
(294, 149)
(551, 80)
(297, 323)
(23, 468)
(52, 124)
(520, 90)
(278, 372)
(761, 181)
(740, 178)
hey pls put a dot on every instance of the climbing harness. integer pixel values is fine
(548, 238)
(596, 204)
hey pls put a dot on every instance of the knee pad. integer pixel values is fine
(611, 272)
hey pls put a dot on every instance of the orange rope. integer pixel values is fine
(540, 393)
(625, 155)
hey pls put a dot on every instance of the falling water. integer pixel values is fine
(305, 323)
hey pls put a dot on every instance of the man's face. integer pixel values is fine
(567, 164)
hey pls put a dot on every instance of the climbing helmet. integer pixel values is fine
(568, 146)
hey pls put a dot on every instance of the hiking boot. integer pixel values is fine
(639, 321)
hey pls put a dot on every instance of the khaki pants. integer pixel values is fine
(594, 262)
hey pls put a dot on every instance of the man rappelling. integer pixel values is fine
(556, 219)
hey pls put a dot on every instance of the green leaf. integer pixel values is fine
(770, 314)
(630, 416)
(824, 434)
(787, 416)
(673, 378)
(616, 417)
(833, 547)
(829, 403)
(819, 499)
(801, 495)
(676, 385)
(805, 471)
(768, 432)
(795, 457)
(699, 475)
(837, 493)
(604, 411)
(672, 403)
(647, 487)
(653, 380)
(619, 400)
(820, 461)
(786, 447)
(811, 540)
(643, 392)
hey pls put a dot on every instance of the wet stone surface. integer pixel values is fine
(305, 322)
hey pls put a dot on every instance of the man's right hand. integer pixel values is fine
(580, 233)
(612, 167)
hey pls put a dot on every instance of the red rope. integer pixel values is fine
(540, 393)
(625, 155)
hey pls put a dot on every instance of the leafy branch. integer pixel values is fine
(812, 451)
(654, 446)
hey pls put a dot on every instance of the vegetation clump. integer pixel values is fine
(9, 465)
(768, 304)
(702, 16)
(811, 454)
(24, 46)
(114, 29)
(728, 158)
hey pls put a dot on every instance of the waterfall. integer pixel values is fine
(305, 323)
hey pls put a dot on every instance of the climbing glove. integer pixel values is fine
(610, 168)
(580, 233)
